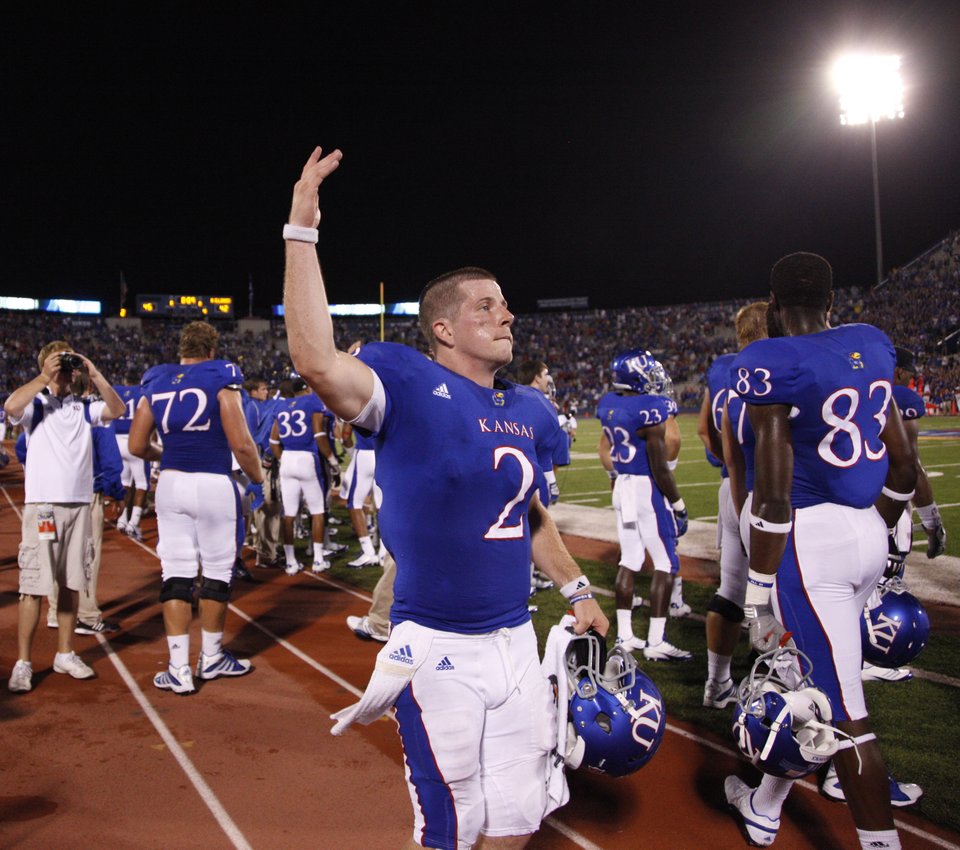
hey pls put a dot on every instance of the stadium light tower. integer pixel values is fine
(870, 90)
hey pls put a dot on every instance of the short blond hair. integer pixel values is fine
(198, 339)
(52, 348)
(751, 323)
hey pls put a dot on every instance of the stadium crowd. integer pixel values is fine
(578, 345)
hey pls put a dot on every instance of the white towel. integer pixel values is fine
(399, 659)
(554, 667)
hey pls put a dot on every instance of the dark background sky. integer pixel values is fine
(633, 153)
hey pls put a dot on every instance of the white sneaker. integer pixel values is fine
(631, 644)
(719, 694)
(680, 609)
(665, 651)
(334, 548)
(364, 561)
(320, 566)
(179, 680)
(761, 830)
(901, 793)
(72, 663)
(360, 626)
(21, 677)
(122, 527)
(872, 673)
(224, 663)
(293, 569)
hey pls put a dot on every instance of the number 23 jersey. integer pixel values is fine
(621, 417)
(458, 464)
(838, 386)
(186, 410)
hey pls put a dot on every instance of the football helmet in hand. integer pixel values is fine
(616, 713)
(781, 721)
(894, 627)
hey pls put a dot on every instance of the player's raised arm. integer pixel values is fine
(343, 382)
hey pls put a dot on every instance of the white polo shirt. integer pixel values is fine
(59, 466)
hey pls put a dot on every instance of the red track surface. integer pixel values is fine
(250, 762)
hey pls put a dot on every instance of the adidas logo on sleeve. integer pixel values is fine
(442, 391)
(445, 664)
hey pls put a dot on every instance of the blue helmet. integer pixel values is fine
(781, 721)
(638, 370)
(894, 627)
(615, 713)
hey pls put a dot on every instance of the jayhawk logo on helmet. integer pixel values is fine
(638, 370)
(616, 715)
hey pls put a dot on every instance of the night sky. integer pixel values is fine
(632, 153)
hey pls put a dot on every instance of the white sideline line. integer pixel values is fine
(205, 791)
(572, 835)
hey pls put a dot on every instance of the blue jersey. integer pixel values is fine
(743, 431)
(838, 386)
(621, 417)
(129, 396)
(362, 442)
(718, 384)
(186, 410)
(910, 404)
(458, 464)
(294, 418)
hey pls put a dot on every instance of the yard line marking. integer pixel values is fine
(573, 836)
(205, 791)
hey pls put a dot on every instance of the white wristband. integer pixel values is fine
(679, 505)
(897, 497)
(575, 586)
(295, 233)
(771, 527)
(929, 515)
(759, 586)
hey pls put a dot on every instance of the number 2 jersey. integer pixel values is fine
(186, 411)
(458, 464)
(838, 386)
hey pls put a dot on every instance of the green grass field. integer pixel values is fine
(916, 721)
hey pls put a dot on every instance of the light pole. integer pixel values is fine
(870, 90)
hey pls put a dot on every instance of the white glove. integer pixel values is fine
(766, 631)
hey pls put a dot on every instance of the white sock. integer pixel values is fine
(288, 553)
(676, 595)
(655, 633)
(212, 643)
(135, 515)
(769, 797)
(880, 839)
(179, 646)
(718, 666)
(366, 546)
(624, 623)
(124, 517)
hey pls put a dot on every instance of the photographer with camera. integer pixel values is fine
(56, 546)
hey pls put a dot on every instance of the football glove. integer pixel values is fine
(255, 491)
(936, 540)
(683, 521)
(766, 631)
(894, 556)
(335, 476)
(554, 492)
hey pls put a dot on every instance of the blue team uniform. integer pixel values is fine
(645, 518)
(129, 395)
(183, 399)
(294, 418)
(838, 386)
(718, 384)
(458, 464)
(910, 404)
(838, 382)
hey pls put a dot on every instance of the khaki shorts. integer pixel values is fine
(65, 561)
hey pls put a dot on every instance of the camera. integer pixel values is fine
(70, 363)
